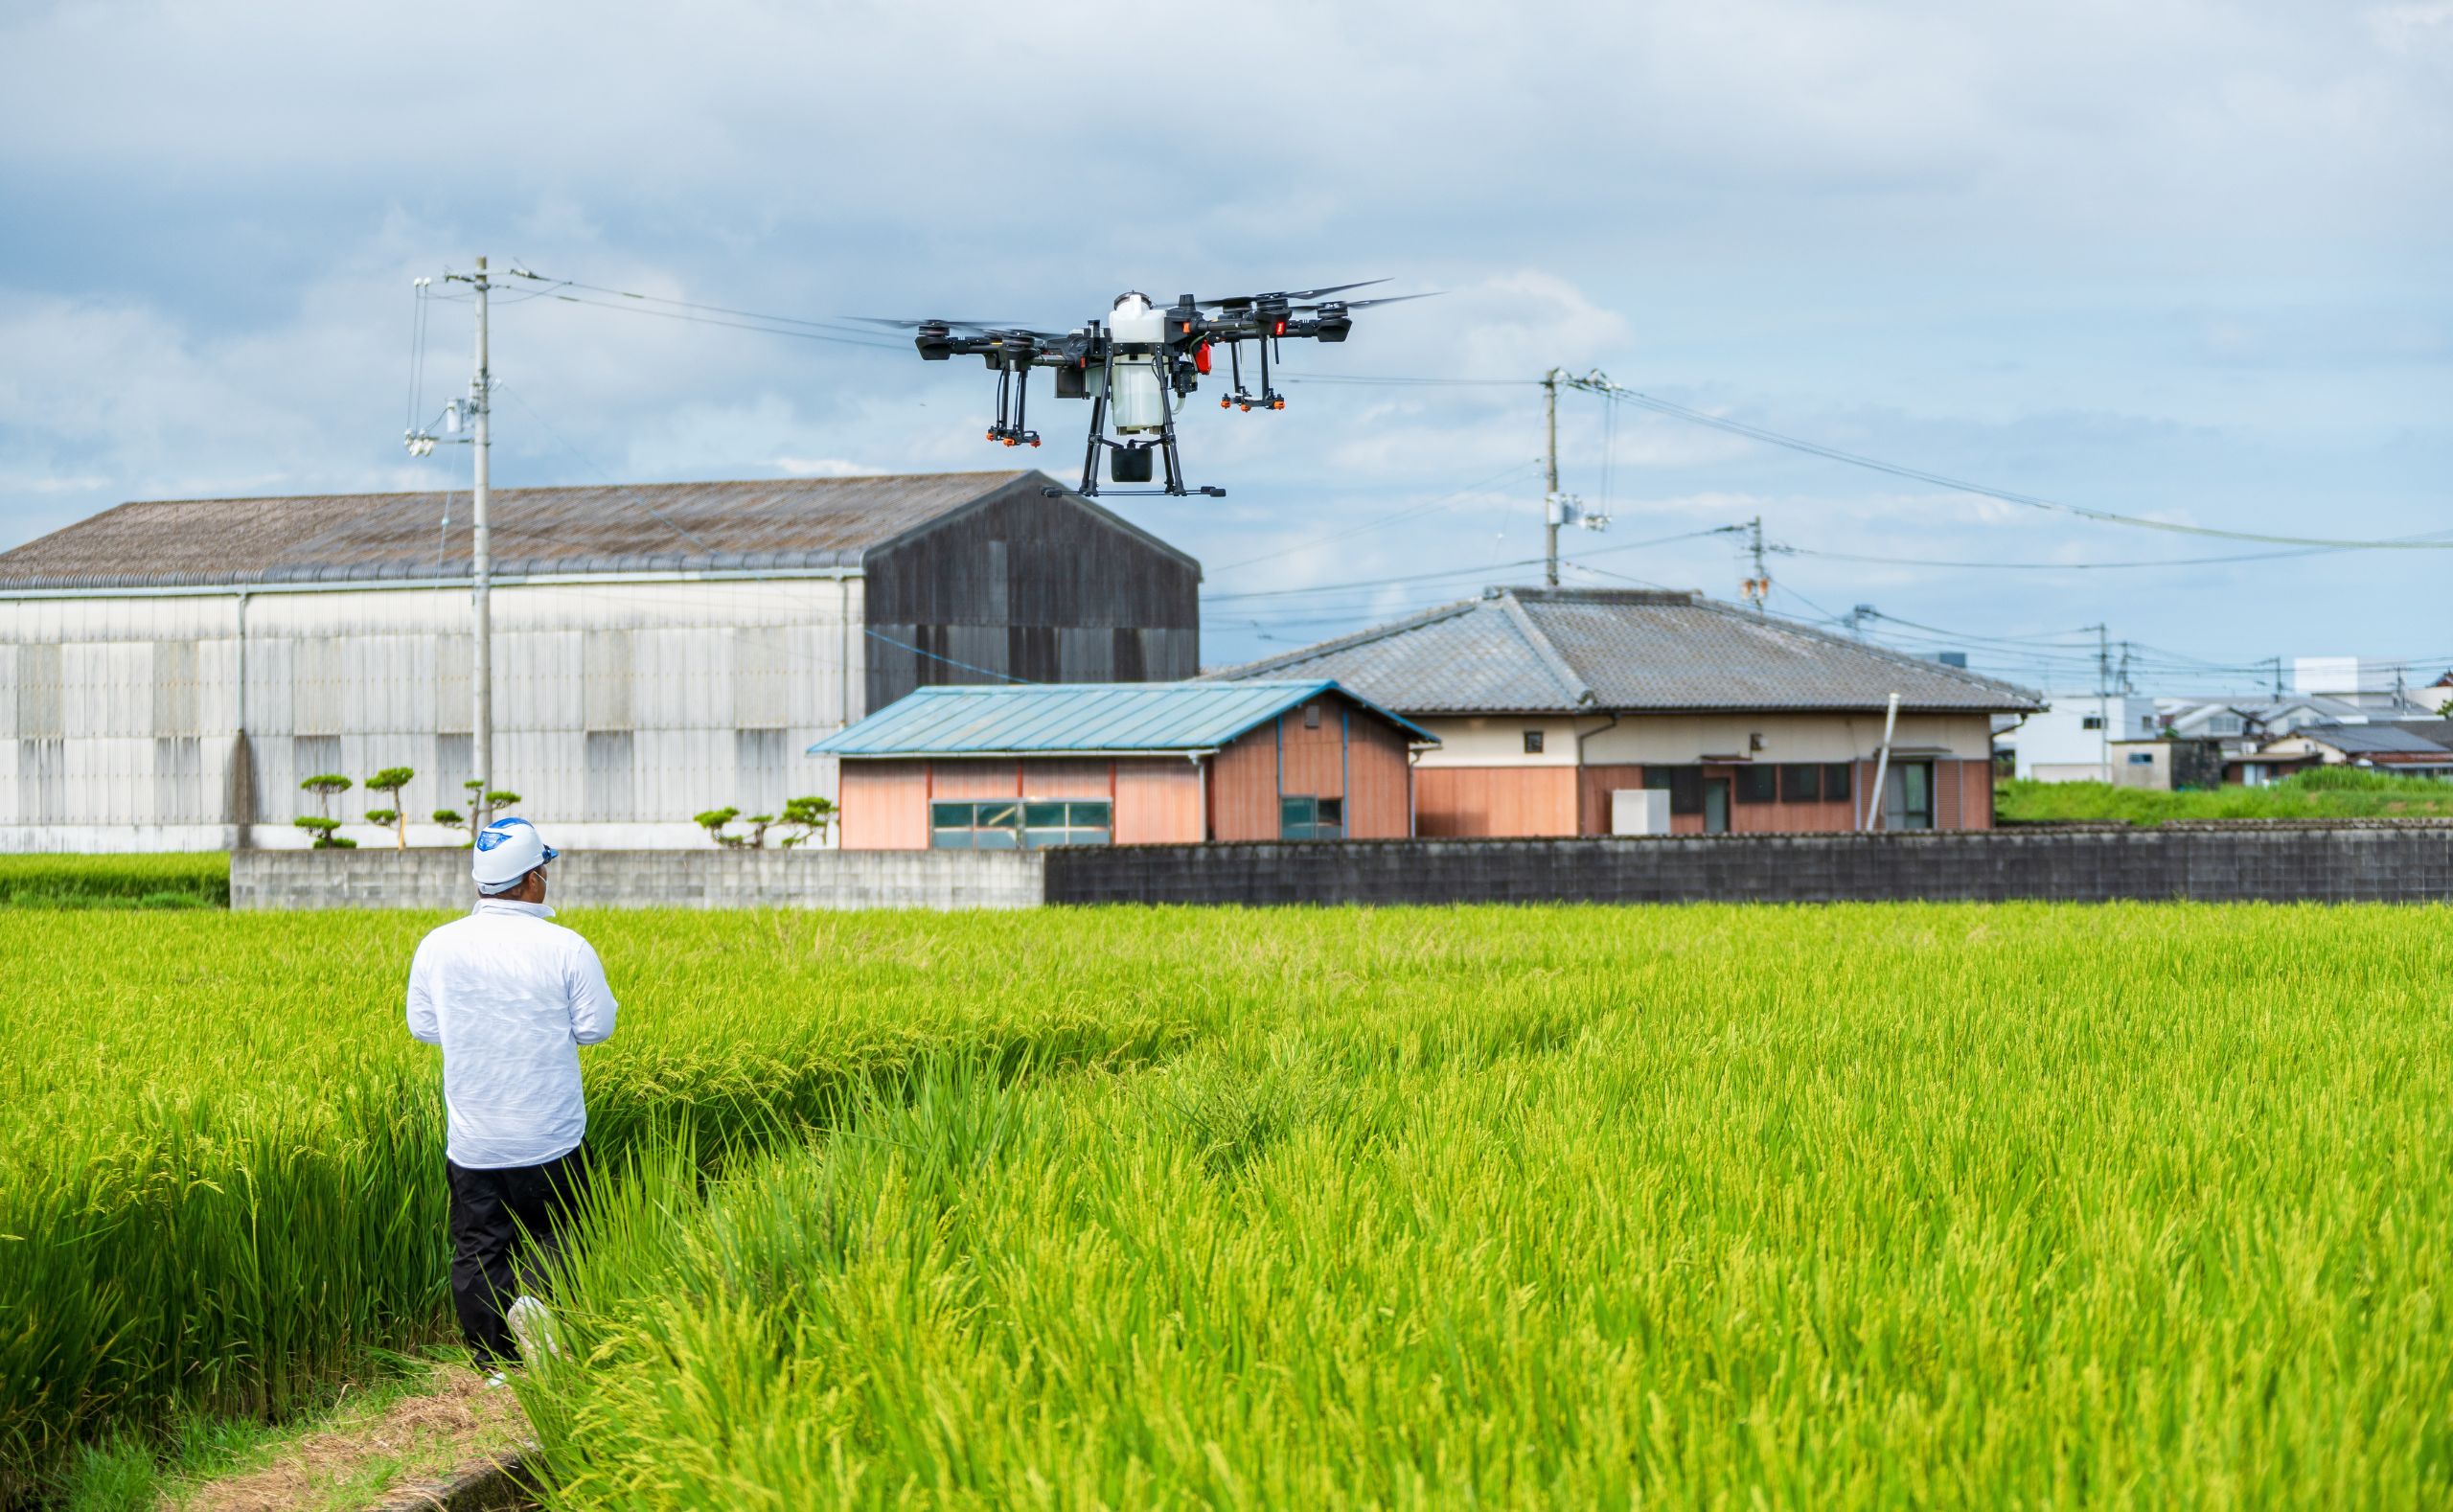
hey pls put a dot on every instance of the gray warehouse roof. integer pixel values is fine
(775, 524)
(1541, 650)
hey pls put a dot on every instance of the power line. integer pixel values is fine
(1455, 572)
(1775, 438)
(1390, 518)
(736, 325)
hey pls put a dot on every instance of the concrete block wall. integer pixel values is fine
(703, 878)
(2279, 862)
(2396, 864)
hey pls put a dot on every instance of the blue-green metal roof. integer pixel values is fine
(1055, 718)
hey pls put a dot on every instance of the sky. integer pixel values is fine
(2183, 261)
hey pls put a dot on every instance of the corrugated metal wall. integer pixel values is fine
(628, 704)
(1033, 588)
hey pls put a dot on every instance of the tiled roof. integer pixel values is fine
(2384, 739)
(1529, 650)
(766, 525)
(1059, 719)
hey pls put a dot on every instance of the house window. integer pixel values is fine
(1801, 784)
(1684, 786)
(1310, 818)
(2225, 725)
(1003, 824)
(1532, 743)
(1908, 796)
(2091, 721)
(2142, 758)
(1835, 782)
(1758, 784)
(1311, 715)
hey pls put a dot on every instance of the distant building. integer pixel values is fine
(1030, 767)
(2412, 747)
(2072, 741)
(168, 671)
(2364, 682)
(1548, 702)
(2168, 763)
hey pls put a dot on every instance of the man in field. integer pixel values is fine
(510, 997)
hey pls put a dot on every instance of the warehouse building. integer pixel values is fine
(1029, 768)
(1548, 702)
(170, 672)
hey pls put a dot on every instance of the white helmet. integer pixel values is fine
(508, 850)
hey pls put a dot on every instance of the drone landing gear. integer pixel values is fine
(1135, 460)
(1267, 399)
(1014, 392)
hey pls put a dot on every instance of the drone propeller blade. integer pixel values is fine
(1238, 301)
(915, 324)
(1384, 299)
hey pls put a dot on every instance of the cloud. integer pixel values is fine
(2150, 254)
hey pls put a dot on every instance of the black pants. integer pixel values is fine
(505, 1223)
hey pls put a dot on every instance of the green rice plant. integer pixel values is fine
(222, 1156)
(177, 879)
(1968, 1205)
(1976, 1207)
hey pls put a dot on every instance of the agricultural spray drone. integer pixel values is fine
(1139, 366)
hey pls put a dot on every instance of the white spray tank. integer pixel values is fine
(1140, 399)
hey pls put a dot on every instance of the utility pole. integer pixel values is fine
(480, 407)
(1758, 587)
(1550, 502)
(2103, 698)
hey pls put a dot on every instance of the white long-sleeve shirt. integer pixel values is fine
(511, 998)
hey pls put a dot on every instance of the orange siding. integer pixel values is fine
(975, 777)
(885, 805)
(1377, 764)
(1243, 795)
(1494, 800)
(1978, 810)
(1066, 779)
(1159, 802)
(1593, 787)
(1314, 759)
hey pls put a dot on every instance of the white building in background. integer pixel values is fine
(170, 672)
(2073, 739)
(2378, 688)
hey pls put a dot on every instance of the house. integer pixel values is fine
(170, 672)
(1031, 766)
(2169, 764)
(2072, 741)
(1549, 702)
(2413, 748)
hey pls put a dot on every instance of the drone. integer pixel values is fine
(1139, 366)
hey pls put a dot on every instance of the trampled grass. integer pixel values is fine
(1956, 1204)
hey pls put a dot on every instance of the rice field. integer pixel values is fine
(1858, 1205)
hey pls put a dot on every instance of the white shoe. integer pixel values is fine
(494, 1380)
(532, 1326)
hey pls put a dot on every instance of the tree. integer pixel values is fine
(810, 815)
(713, 820)
(390, 781)
(326, 787)
(497, 800)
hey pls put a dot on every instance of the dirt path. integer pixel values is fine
(353, 1464)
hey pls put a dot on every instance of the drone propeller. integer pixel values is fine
(985, 327)
(1366, 304)
(1243, 301)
